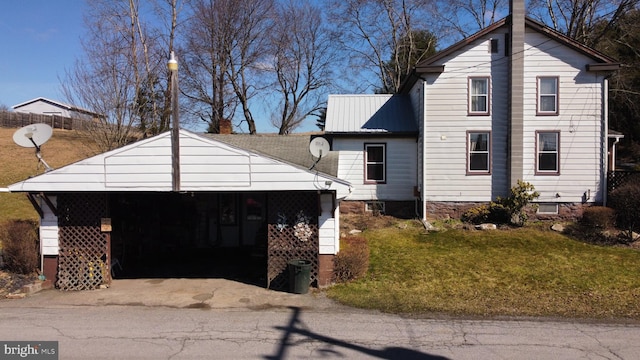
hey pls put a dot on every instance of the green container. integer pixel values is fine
(299, 276)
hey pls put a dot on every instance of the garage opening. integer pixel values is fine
(189, 235)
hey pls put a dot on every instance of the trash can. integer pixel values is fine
(299, 276)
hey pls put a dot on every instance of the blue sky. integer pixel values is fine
(40, 40)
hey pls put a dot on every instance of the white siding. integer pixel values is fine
(401, 168)
(327, 224)
(447, 122)
(48, 229)
(40, 107)
(205, 165)
(579, 121)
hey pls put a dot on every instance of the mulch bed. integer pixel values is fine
(13, 283)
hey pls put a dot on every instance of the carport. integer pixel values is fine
(240, 213)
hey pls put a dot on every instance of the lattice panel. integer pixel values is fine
(83, 247)
(293, 234)
(615, 179)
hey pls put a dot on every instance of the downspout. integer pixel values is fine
(605, 140)
(423, 185)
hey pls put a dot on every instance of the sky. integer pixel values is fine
(40, 40)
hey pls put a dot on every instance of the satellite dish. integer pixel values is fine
(34, 135)
(319, 147)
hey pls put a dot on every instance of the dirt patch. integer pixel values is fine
(349, 222)
(12, 283)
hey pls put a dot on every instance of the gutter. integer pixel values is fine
(4, 190)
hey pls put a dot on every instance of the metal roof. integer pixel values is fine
(370, 113)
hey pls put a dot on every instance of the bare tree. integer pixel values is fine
(374, 31)
(225, 43)
(121, 74)
(246, 51)
(465, 17)
(205, 83)
(581, 20)
(302, 61)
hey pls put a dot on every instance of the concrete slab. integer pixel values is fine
(181, 293)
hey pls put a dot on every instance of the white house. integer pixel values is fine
(46, 106)
(376, 139)
(125, 210)
(515, 101)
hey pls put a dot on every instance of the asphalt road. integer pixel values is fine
(160, 332)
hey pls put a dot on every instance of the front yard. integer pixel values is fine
(530, 271)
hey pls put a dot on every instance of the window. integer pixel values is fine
(479, 155)
(376, 207)
(375, 163)
(547, 95)
(548, 208)
(479, 96)
(548, 151)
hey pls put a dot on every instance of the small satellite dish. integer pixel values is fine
(34, 135)
(319, 147)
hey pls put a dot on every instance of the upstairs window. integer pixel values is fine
(548, 153)
(375, 163)
(547, 95)
(478, 96)
(479, 153)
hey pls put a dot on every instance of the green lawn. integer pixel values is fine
(18, 163)
(518, 272)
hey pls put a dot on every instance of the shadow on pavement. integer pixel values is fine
(386, 353)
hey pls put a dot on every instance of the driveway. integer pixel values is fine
(179, 293)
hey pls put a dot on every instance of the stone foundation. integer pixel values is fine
(454, 210)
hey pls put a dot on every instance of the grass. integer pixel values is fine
(517, 272)
(18, 163)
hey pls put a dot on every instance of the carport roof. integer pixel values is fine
(207, 163)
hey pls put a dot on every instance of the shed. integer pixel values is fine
(46, 106)
(115, 214)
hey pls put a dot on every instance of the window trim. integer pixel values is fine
(384, 163)
(470, 111)
(489, 153)
(540, 112)
(557, 152)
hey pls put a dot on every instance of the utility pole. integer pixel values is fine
(175, 129)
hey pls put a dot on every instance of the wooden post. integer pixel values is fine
(175, 130)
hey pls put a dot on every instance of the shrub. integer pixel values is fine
(504, 210)
(477, 215)
(20, 247)
(352, 261)
(599, 217)
(625, 200)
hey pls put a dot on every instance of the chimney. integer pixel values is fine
(225, 126)
(516, 80)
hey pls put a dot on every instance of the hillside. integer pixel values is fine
(18, 163)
